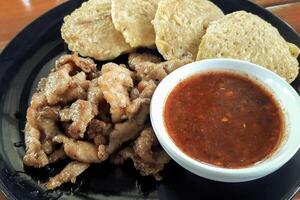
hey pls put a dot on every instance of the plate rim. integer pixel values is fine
(4, 55)
(7, 54)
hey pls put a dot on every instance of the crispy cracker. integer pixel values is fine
(245, 36)
(180, 24)
(133, 19)
(90, 32)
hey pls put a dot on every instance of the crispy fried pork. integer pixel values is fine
(35, 156)
(94, 94)
(81, 151)
(68, 174)
(85, 64)
(58, 154)
(68, 81)
(138, 58)
(99, 131)
(125, 131)
(145, 153)
(47, 119)
(145, 89)
(149, 68)
(88, 115)
(115, 83)
(80, 113)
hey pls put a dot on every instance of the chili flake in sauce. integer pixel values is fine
(224, 119)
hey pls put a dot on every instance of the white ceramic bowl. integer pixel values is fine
(284, 93)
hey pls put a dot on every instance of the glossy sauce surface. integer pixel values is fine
(224, 119)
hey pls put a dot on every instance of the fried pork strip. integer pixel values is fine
(145, 90)
(137, 58)
(115, 83)
(68, 174)
(138, 112)
(99, 131)
(146, 155)
(81, 151)
(61, 86)
(147, 68)
(85, 64)
(95, 94)
(88, 116)
(47, 119)
(35, 155)
(80, 113)
(64, 84)
(124, 131)
(57, 155)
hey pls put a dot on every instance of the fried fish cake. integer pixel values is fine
(133, 19)
(245, 36)
(180, 24)
(90, 32)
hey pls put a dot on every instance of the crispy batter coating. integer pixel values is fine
(47, 119)
(61, 87)
(85, 64)
(68, 174)
(125, 131)
(35, 156)
(57, 84)
(143, 145)
(145, 90)
(95, 94)
(147, 157)
(89, 116)
(115, 83)
(80, 113)
(81, 151)
(99, 131)
(147, 68)
(59, 154)
(43, 117)
(138, 58)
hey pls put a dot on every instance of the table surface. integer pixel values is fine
(16, 14)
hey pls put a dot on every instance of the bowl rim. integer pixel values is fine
(250, 172)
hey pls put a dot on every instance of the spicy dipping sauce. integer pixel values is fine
(224, 119)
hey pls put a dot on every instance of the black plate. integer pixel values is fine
(31, 55)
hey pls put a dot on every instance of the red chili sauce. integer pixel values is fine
(224, 119)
